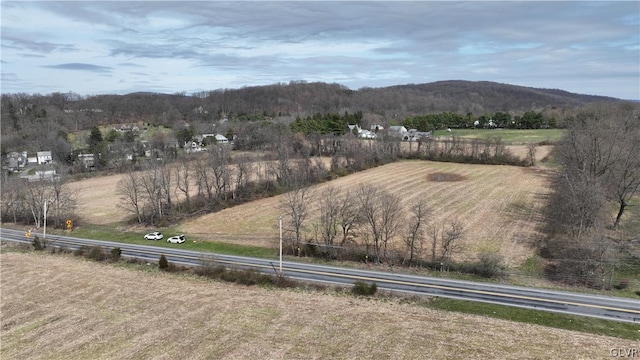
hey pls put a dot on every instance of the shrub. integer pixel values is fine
(622, 284)
(80, 251)
(38, 244)
(163, 263)
(96, 253)
(116, 253)
(211, 271)
(361, 288)
(489, 265)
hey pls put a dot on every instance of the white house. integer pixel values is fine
(88, 160)
(398, 131)
(415, 135)
(362, 134)
(43, 157)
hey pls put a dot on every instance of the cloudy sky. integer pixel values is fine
(160, 46)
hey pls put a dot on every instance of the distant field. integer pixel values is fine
(508, 135)
(56, 307)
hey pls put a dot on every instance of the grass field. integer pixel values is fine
(499, 206)
(508, 135)
(56, 307)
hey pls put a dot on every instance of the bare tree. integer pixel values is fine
(392, 219)
(129, 189)
(13, 199)
(451, 242)
(600, 151)
(204, 178)
(150, 184)
(329, 215)
(623, 180)
(383, 213)
(348, 217)
(242, 170)
(63, 198)
(219, 162)
(369, 210)
(531, 154)
(184, 179)
(295, 205)
(415, 232)
(37, 192)
(446, 239)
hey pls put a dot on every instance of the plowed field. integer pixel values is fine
(499, 206)
(56, 307)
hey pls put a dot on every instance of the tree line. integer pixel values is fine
(590, 231)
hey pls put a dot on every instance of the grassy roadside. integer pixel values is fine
(110, 233)
(537, 317)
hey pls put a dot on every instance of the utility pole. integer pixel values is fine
(44, 231)
(280, 224)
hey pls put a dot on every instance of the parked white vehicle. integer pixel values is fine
(156, 235)
(178, 239)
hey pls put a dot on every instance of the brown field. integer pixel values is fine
(57, 307)
(499, 206)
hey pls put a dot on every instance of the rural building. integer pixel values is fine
(397, 131)
(415, 135)
(16, 160)
(43, 157)
(88, 160)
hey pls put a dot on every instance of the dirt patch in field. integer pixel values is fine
(445, 177)
(56, 307)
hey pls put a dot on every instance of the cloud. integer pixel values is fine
(80, 67)
(20, 43)
(362, 43)
(9, 77)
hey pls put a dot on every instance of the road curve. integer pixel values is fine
(598, 306)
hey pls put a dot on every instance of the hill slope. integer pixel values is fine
(304, 98)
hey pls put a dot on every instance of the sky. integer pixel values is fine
(118, 47)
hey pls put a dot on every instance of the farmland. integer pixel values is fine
(63, 307)
(513, 136)
(499, 206)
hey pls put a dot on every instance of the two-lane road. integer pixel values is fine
(599, 306)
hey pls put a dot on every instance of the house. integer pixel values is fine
(221, 139)
(362, 134)
(88, 160)
(43, 157)
(397, 131)
(415, 135)
(16, 160)
(366, 134)
(194, 146)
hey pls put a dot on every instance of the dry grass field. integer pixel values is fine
(57, 307)
(499, 206)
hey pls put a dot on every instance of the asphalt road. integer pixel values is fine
(598, 306)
